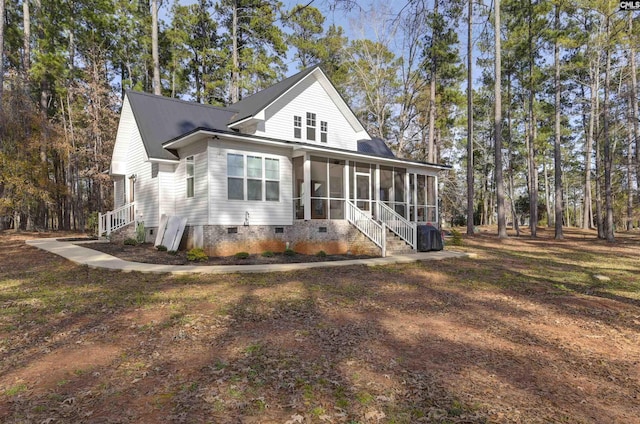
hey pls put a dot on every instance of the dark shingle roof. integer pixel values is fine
(375, 146)
(251, 105)
(160, 119)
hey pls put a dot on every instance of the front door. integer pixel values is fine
(363, 191)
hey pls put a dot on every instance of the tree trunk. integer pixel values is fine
(235, 71)
(587, 216)
(608, 157)
(533, 170)
(154, 47)
(547, 190)
(2, 10)
(512, 194)
(432, 95)
(26, 23)
(557, 158)
(635, 116)
(502, 221)
(470, 182)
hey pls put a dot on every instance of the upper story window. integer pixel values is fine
(190, 172)
(323, 131)
(297, 126)
(311, 126)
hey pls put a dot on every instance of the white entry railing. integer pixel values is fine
(113, 220)
(369, 227)
(405, 229)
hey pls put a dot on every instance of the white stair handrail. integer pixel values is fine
(397, 223)
(368, 226)
(116, 219)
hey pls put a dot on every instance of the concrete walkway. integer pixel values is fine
(98, 260)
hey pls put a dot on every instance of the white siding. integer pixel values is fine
(309, 96)
(232, 212)
(146, 188)
(195, 208)
(166, 182)
(129, 158)
(126, 128)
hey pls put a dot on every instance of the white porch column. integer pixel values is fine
(306, 195)
(407, 196)
(435, 188)
(347, 182)
(415, 198)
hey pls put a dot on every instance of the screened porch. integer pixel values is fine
(323, 184)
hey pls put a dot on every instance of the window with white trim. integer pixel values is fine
(323, 131)
(311, 126)
(297, 126)
(190, 172)
(235, 177)
(256, 176)
(272, 179)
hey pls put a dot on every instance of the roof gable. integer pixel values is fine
(254, 106)
(160, 119)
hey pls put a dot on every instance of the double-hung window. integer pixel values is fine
(190, 172)
(272, 179)
(297, 126)
(235, 177)
(323, 131)
(256, 176)
(311, 126)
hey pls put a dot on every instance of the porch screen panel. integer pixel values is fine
(432, 202)
(336, 189)
(399, 191)
(298, 187)
(422, 198)
(319, 189)
(386, 184)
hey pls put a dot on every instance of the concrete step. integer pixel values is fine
(397, 246)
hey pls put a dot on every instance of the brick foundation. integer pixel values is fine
(306, 237)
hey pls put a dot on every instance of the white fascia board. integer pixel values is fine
(199, 135)
(296, 149)
(169, 161)
(368, 158)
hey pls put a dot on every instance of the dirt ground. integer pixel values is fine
(528, 331)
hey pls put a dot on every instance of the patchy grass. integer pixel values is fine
(527, 331)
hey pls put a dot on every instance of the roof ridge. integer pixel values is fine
(188, 102)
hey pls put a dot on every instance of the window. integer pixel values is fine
(311, 126)
(254, 178)
(323, 131)
(235, 177)
(272, 179)
(297, 126)
(260, 182)
(190, 176)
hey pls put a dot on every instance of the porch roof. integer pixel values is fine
(365, 154)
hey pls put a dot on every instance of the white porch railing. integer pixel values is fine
(369, 227)
(113, 220)
(405, 229)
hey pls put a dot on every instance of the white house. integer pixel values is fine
(289, 166)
